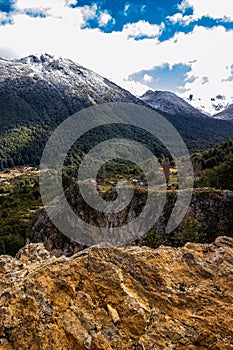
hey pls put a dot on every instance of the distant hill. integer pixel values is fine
(216, 155)
(226, 114)
(170, 103)
(217, 166)
(198, 130)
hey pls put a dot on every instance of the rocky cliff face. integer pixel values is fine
(118, 298)
(210, 214)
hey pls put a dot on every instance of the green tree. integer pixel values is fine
(191, 232)
(2, 247)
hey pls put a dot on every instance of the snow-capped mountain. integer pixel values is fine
(39, 91)
(209, 105)
(62, 76)
(36, 94)
(197, 129)
(170, 103)
(226, 114)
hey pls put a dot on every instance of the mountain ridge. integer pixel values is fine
(169, 102)
(38, 92)
(226, 114)
(193, 125)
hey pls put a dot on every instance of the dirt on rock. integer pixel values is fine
(118, 298)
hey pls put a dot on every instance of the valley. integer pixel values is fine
(162, 290)
(116, 175)
(39, 92)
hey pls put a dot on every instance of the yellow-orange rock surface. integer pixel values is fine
(118, 298)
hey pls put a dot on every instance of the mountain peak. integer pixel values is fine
(151, 93)
(226, 114)
(37, 58)
(166, 101)
(62, 73)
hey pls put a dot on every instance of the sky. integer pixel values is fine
(183, 46)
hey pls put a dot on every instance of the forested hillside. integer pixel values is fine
(217, 166)
(38, 92)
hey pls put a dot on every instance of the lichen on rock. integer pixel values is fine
(119, 298)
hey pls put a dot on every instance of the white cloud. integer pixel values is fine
(105, 18)
(6, 53)
(180, 18)
(147, 78)
(70, 2)
(143, 8)
(126, 9)
(4, 17)
(184, 5)
(177, 17)
(135, 87)
(143, 29)
(210, 8)
(214, 9)
(132, 8)
(53, 8)
(88, 12)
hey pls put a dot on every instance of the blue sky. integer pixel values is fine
(124, 12)
(163, 77)
(154, 12)
(179, 45)
(128, 12)
(6, 5)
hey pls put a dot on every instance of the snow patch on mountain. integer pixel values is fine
(170, 103)
(64, 75)
(227, 114)
(208, 105)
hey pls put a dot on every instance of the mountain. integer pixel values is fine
(198, 130)
(170, 103)
(62, 82)
(226, 114)
(118, 298)
(208, 105)
(37, 93)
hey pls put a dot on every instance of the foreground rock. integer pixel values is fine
(118, 298)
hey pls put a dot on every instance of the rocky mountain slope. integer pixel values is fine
(37, 93)
(209, 105)
(61, 81)
(194, 126)
(127, 298)
(170, 103)
(226, 114)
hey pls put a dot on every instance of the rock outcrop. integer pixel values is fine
(210, 210)
(118, 298)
